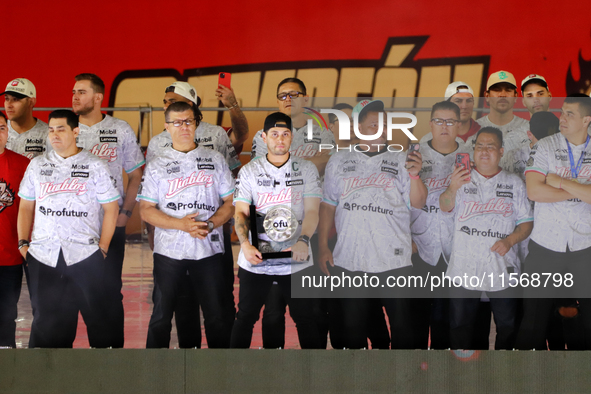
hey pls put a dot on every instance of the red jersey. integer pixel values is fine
(12, 169)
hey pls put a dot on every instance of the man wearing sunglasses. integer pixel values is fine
(291, 100)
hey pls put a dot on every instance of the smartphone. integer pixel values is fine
(412, 147)
(463, 159)
(225, 79)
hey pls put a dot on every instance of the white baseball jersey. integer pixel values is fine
(266, 186)
(301, 146)
(429, 137)
(183, 184)
(113, 140)
(514, 133)
(563, 223)
(427, 227)
(68, 195)
(372, 199)
(31, 143)
(206, 135)
(487, 210)
(515, 161)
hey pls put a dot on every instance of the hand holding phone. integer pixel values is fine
(225, 79)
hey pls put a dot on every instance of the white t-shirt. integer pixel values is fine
(263, 184)
(427, 227)
(113, 140)
(372, 199)
(301, 146)
(487, 210)
(182, 184)
(558, 224)
(514, 133)
(31, 143)
(206, 135)
(68, 195)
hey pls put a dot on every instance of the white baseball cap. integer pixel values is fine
(457, 87)
(184, 89)
(501, 77)
(21, 88)
(534, 78)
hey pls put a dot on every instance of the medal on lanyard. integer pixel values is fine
(575, 170)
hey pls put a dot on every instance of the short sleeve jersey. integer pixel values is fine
(372, 199)
(206, 135)
(514, 133)
(113, 140)
(301, 146)
(428, 230)
(68, 194)
(183, 184)
(564, 223)
(487, 210)
(12, 170)
(31, 143)
(266, 186)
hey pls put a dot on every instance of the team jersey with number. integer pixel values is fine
(427, 228)
(68, 194)
(183, 184)
(206, 135)
(564, 223)
(31, 143)
(486, 211)
(266, 186)
(113, 140)
(514, 133)
(301, 146)
(372, 199)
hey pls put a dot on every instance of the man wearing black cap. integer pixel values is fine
(27, 135)
(274, 183)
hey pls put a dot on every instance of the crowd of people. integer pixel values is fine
(496, 199)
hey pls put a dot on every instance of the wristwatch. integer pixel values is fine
(127, 212)
(22, 243)
(210, 226)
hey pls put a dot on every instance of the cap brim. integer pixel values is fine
(15, 94)
(374, 106)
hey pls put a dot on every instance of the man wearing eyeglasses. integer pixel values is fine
(114, 141)
(491, 215)
(461, 94)
(211, 136)
(501, 95)
(186, 194)
(291, 99)
(428, 231)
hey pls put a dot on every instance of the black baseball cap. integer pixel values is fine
(277, 119)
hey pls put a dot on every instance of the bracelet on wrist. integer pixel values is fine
(22, 243)
(233, 106)
(413, 176)
(305, 239)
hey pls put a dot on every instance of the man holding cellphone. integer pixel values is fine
(427, 230)
(491, 215)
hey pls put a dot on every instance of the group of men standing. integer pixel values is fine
(390, 214)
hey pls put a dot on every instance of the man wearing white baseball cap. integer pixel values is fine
(536, 94)
(27, 135)
(501, 95)
(461, 94)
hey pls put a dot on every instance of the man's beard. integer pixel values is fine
(84, 110)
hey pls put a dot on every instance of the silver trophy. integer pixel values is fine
(281, 226)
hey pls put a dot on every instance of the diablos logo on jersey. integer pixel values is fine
(493, 206)
(177, 185)
(374, 180)
(285, 196)
(6, 195)
(69, 185)
(104, 152)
